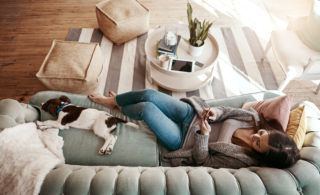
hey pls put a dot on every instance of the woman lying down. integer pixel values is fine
(201, 136)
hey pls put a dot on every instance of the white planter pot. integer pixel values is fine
(195, 51)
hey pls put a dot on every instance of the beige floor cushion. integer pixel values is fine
(122, 20)
(72, 67)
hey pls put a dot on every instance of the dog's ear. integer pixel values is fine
(44, 106)
(65, 99)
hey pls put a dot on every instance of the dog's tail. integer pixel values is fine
(115, 120)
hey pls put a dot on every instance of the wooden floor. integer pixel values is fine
(27, 28)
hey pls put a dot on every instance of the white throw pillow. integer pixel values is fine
(312, 139)
(311, 109)
(313, 124)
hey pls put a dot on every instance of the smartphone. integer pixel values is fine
(208, 119)
(181, 65)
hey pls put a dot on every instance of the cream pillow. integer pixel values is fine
(297, 126)
(312, 139)
(313, 132)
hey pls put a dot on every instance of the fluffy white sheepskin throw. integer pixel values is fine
(26, 157)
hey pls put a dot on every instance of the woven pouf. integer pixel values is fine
(72, 67)
(122, 20)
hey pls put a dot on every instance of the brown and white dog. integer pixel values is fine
(101, 122)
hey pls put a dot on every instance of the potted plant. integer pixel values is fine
(198, 33)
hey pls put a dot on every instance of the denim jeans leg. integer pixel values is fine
(174, 109)
(167, 131)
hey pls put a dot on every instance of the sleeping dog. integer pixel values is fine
(101, 122)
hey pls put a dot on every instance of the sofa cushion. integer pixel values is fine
(275, 110)
(72, 66)
(134, 147)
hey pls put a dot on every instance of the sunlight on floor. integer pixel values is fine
(249, 13)
(221, 6)
(255, 16)
(316, 82)
(263, 16)
(241, 83)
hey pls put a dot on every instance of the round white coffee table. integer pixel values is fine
(178, 80)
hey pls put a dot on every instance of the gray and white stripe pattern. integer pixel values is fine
(239, 70)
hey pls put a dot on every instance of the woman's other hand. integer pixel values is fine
(205, 128)
(208, 114)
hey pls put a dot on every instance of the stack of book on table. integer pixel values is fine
(171, 50)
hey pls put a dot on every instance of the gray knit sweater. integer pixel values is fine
(215, 150)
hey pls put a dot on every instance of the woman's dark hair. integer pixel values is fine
(283, 151)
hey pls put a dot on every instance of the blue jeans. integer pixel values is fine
(167, 117)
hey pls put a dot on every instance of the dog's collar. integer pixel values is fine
(63, 105)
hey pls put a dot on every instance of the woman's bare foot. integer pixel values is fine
(106, 101)
(113, 94)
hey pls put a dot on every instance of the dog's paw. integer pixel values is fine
(39, 123)
(41, 126)
(108, 151)
(105, 151)
(102, 151)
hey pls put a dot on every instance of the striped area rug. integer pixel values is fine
(239, 70)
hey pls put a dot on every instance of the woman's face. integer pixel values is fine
(260, 141)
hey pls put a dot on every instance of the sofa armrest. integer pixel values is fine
(238, 100)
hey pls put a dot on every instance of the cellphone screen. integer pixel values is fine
(179, 65)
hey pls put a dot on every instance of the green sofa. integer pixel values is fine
(135, 165)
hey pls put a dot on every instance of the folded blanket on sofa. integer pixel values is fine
(27, 155)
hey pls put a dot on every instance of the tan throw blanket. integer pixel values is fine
(26, 157)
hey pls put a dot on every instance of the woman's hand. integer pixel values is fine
(208, 114)
(205, 128)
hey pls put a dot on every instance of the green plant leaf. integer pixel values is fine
(189, 13)
(198, 30)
